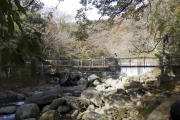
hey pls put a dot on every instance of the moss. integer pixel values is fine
(169, 86)
(145, 110)
(148, 106)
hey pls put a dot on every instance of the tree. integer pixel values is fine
(111, 8)
(15, 48)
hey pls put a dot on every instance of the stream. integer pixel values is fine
(10, 116)
(130, 71)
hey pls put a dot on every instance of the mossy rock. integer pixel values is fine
(145, 110)
(169, 86)
(148, 106)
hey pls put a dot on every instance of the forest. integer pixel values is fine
(31, 34)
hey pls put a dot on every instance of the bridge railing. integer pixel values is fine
(106, 62)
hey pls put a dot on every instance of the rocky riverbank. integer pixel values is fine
(92, 98)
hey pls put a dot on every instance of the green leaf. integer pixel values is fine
(16, 16)
(17, 59)
(20, 61)
(5, 56)
(10, 24)
(2, 17)
(4, 3)
(19, 25)
(20, 8)
(38, 34)
(4, 34)
(33, 69)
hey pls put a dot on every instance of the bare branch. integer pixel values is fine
(146, 51)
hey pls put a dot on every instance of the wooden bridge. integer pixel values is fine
(114, 62)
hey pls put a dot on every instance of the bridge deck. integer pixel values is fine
(113, 62)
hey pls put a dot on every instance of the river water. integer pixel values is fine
(11, 116)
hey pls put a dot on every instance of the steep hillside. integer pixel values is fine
(127, 36)
(124, 38)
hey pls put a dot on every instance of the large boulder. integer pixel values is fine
(46, 108)
(162, 111)
(83, 82)
(48, 115)
(63, 109)
(27, 111)
(117, 100)
(74, 88)
(77, 103)
(45, 97)
(8, 110)
(56, 103)
(30, 119)
(74, 114)
(101, 87)
(92, 77)
(117, 84)
(96, 116)
(93, 95)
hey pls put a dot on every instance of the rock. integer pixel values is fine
(93, 95)
(56, 103)
(83, 82)
(162, 111)
(92, 77)
(48, 115)
(67, 94)
(20, 97)
(63, 109)
(73, 88)
(52, 81)
(164, 79)
(124, 79)
(77, 93)
(82, 115)
(99, 110)
(108, 81)
(35, 93)
(77, 103)
(91, 108)
(109, 110)
(96, 116)
(112, 82)
(75, 114)
(44, 97)
(27, 111)
(64, 79)
(30, 119)
(101, 87)
(96, 82)
(46, 108)
(117, 100)
(117, 84)
(8, 110)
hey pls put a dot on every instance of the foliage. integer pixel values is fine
(14, 48)
(145, 110)
(111, 8)
(165, 20)
(81, 33)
